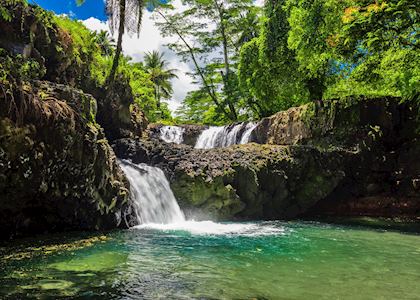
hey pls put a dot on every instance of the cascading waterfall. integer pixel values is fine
(152, 193)
(225, 136)
(158, 209)
(172, 134)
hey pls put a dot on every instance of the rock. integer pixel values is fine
(243, 181)
(351, 157)
(373, 188)
(340, 123)
(57, 170)
(35, 34)
(284, 128)
(117, 113)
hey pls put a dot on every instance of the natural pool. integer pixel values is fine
(205, 260)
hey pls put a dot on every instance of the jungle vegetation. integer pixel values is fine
(249, 61)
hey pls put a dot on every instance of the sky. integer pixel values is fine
(92, 14)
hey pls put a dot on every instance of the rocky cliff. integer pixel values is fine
(57, 169)
(41, 49)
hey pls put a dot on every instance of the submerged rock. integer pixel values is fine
(57, 170)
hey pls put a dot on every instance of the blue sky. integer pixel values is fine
(91, 8)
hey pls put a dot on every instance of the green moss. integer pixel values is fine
(32, 251)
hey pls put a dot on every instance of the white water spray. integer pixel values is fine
(172, 134)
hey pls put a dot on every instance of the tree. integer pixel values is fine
(105, 43)
(209, 37)
(126, 15)
(268, 68)
(381, 39)
(313, 36)
(161, 77)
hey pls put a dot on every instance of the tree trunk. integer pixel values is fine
(155, 87)
(158, 96)
(226, 76)
(316, 88)
(119, 43)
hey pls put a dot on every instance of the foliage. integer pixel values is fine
(144, 92)
(5, 13)
(210, 34)
(382, 40)
(105, 42)
(160, 75)
(332, 49)
(248, 63)
(81, 41)
(126, 16)
(268, 68)
(87, 58)
(198, 108)
(16, 67)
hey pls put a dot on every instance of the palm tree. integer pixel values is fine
(126, 15)
(105, 42)
(160, 75)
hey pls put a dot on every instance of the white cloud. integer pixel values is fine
(95, 24)
(151, 39)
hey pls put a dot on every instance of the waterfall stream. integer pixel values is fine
(249, 129)
(158, 209)
(172, 134)
(225, 136)
(152, 193)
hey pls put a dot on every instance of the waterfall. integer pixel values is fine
(209, 138)
(152, 193)
(225, 136)
(158, 209)
(172, 134)
(249, 129)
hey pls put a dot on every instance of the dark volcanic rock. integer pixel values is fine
(57, 170)
(247, 181)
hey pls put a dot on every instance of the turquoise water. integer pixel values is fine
(269, 260)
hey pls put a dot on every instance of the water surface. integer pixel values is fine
(205, 260)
